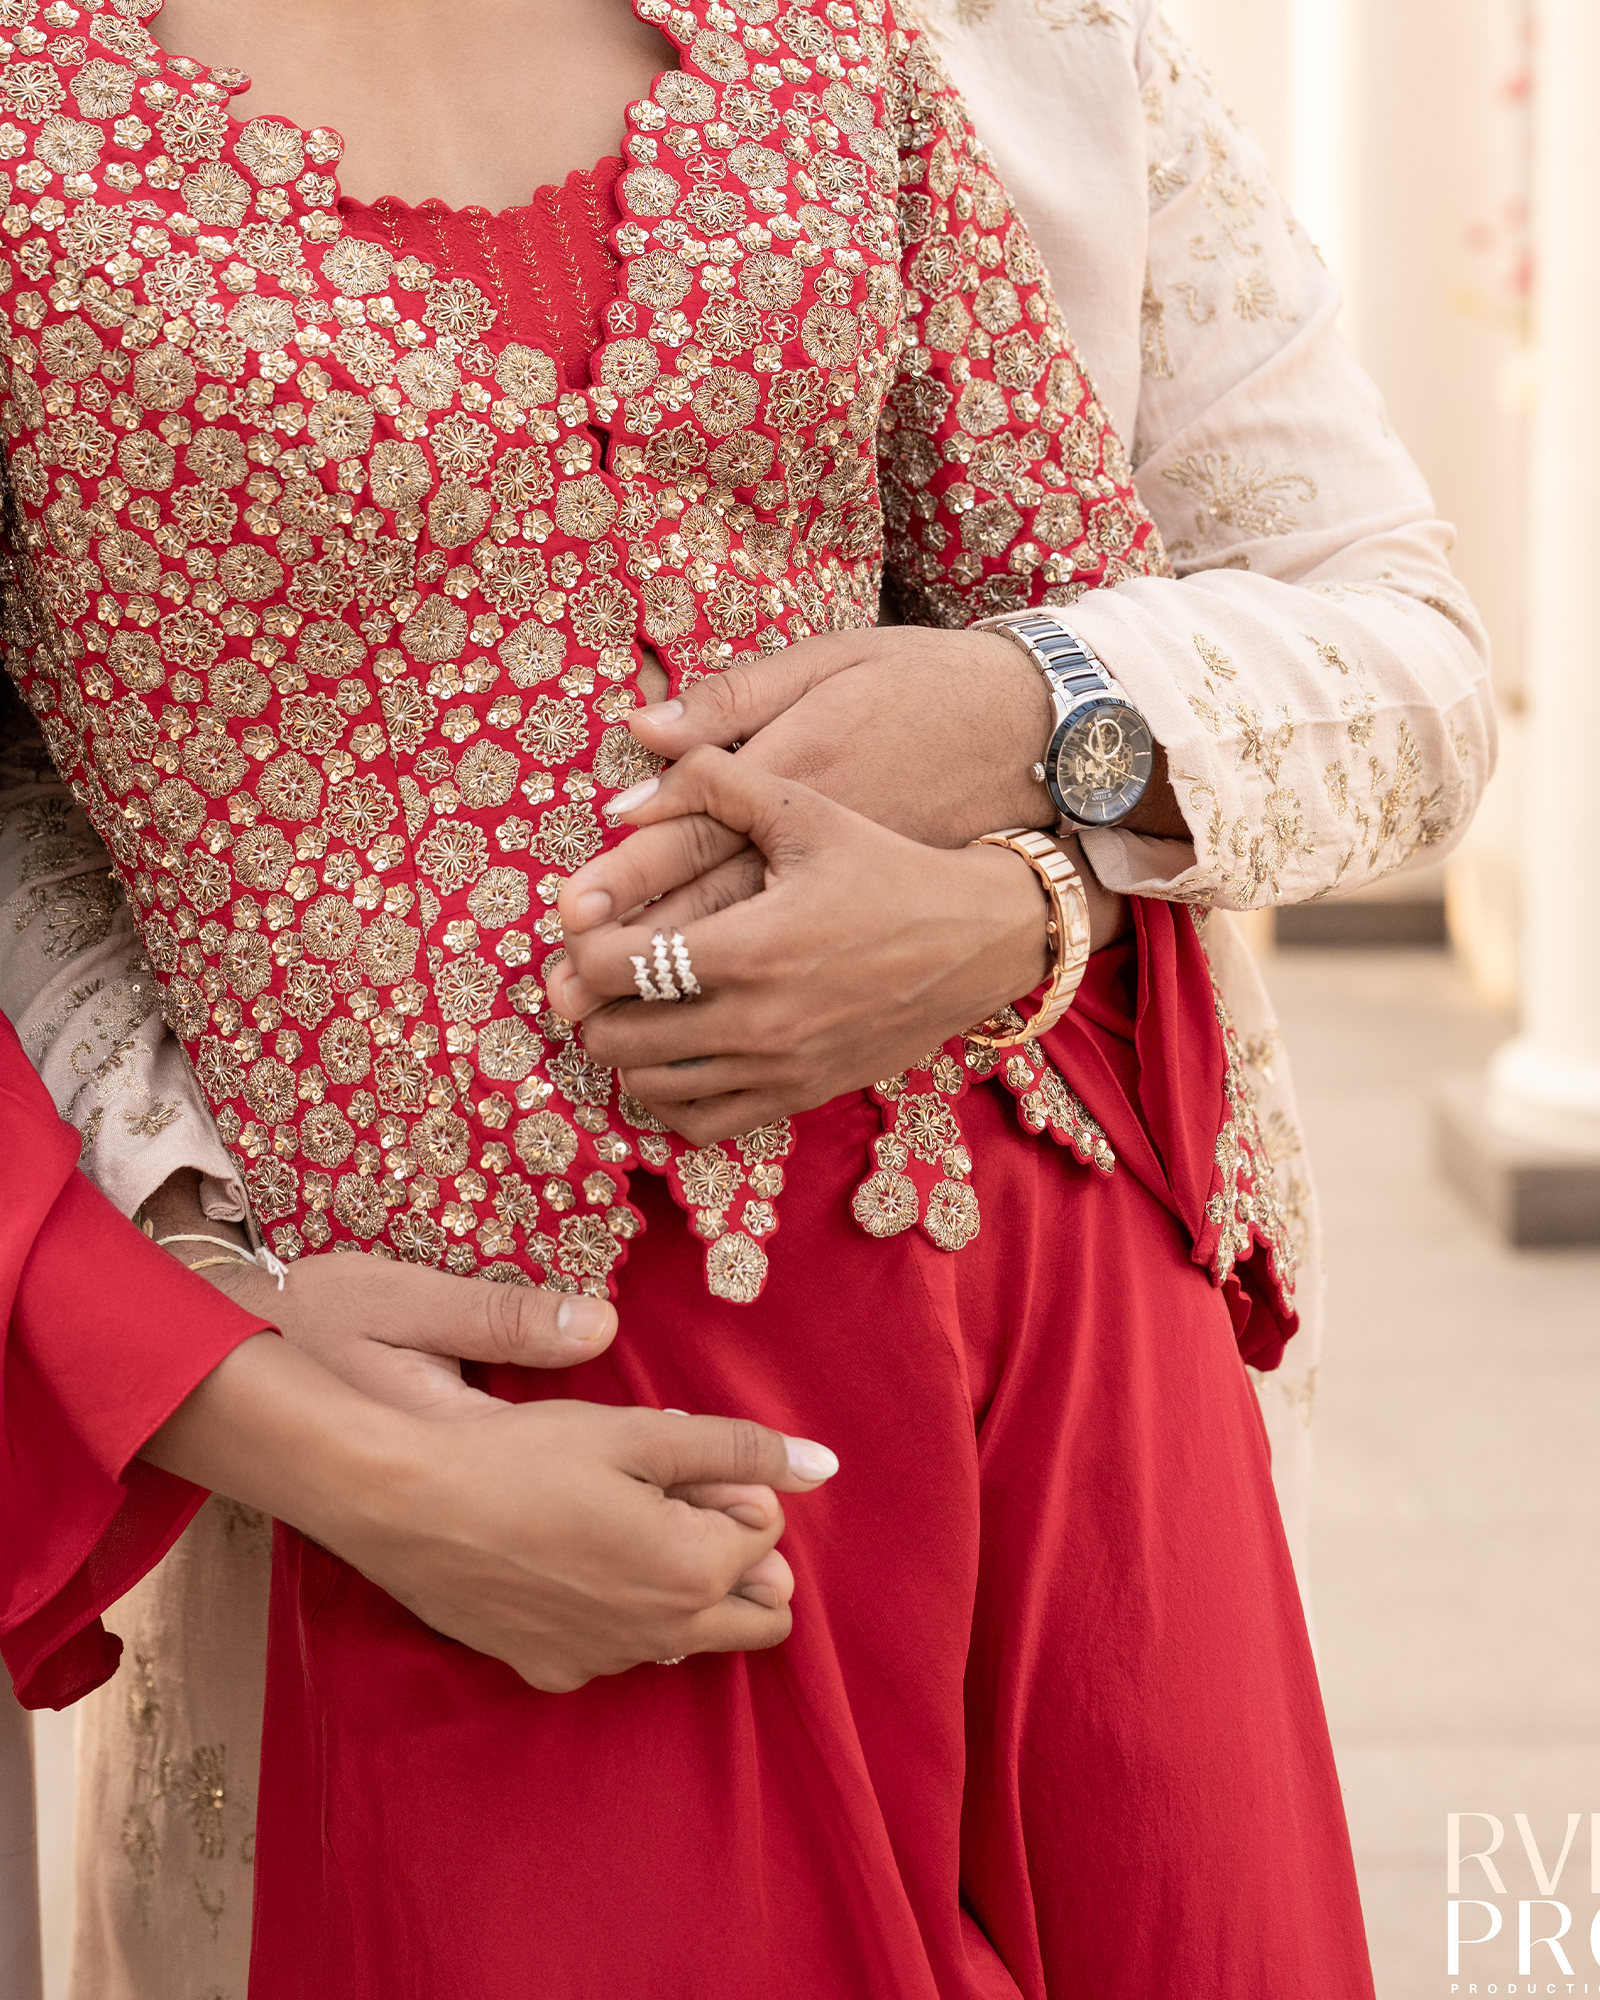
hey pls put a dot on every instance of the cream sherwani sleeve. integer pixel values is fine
(75, 984)
(1317, 677)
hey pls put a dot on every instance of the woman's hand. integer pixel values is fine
(566, 1539)
(399, 1333)
(862, 951)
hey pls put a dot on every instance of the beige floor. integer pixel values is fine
(1456, 1536)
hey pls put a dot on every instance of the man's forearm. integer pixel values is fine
(175, 1211)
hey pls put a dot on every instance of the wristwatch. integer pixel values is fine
(1101, 752)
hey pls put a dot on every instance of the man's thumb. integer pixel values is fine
(731, 706)
(521, 1324)
(671, 1450)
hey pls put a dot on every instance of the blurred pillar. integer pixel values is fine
(1546, 1083)
(1323, 112)
(1436, 266)
(1528, 1144)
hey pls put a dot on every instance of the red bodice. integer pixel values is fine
(335, 569)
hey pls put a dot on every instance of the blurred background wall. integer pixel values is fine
(1402, 131)
(1445, 156)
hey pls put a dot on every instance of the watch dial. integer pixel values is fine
(1102, 762)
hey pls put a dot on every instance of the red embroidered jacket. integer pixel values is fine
(330, 603)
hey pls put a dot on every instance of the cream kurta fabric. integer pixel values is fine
(167, 1757)
(75, 985)
(1316, 676)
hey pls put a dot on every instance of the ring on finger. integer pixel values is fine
(645, 984)
(669, 973)
(666, 987)
(683, 968)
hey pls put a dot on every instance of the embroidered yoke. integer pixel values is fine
(331, 590)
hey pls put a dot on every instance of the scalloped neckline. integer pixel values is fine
(209, 73)
(432, 205)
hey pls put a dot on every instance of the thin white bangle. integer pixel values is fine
(222, 1243)
(263, 1258)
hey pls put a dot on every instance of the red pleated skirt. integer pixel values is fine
(1047, 1725)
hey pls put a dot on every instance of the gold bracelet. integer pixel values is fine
(1067, 929)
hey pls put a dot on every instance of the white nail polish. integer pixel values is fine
(635, 795)
(810, 1461)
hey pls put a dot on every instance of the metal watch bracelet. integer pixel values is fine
(1067, 929)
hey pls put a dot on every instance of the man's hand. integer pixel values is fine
(562, 1538)
(932, 734)
(398, 1332)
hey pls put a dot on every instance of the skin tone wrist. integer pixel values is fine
(175, 1210)
(270, 1428)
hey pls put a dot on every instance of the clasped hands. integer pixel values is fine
(841, 927)
(568, 1539)
(839, 923)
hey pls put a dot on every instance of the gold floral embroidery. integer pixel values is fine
(203, 1788)
(1260, 1051)
(76, 914)
(330, 600)
(1250, 499)
(1254, 296)
(1395, 821)
(1156, 359)
(1246, 862)
(1246, 1208)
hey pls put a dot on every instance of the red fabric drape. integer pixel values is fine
(1142, 1045)
(1048, 1723)
(104, 1335)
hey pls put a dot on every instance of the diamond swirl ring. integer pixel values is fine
(669, 973)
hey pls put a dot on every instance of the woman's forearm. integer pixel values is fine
(272, 1428)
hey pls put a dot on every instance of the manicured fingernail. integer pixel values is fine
(674, 1413)
(662, 712)
(635, 795)
(746, 1516)
(592, 907)
(582, 1320)
(808, 1461)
